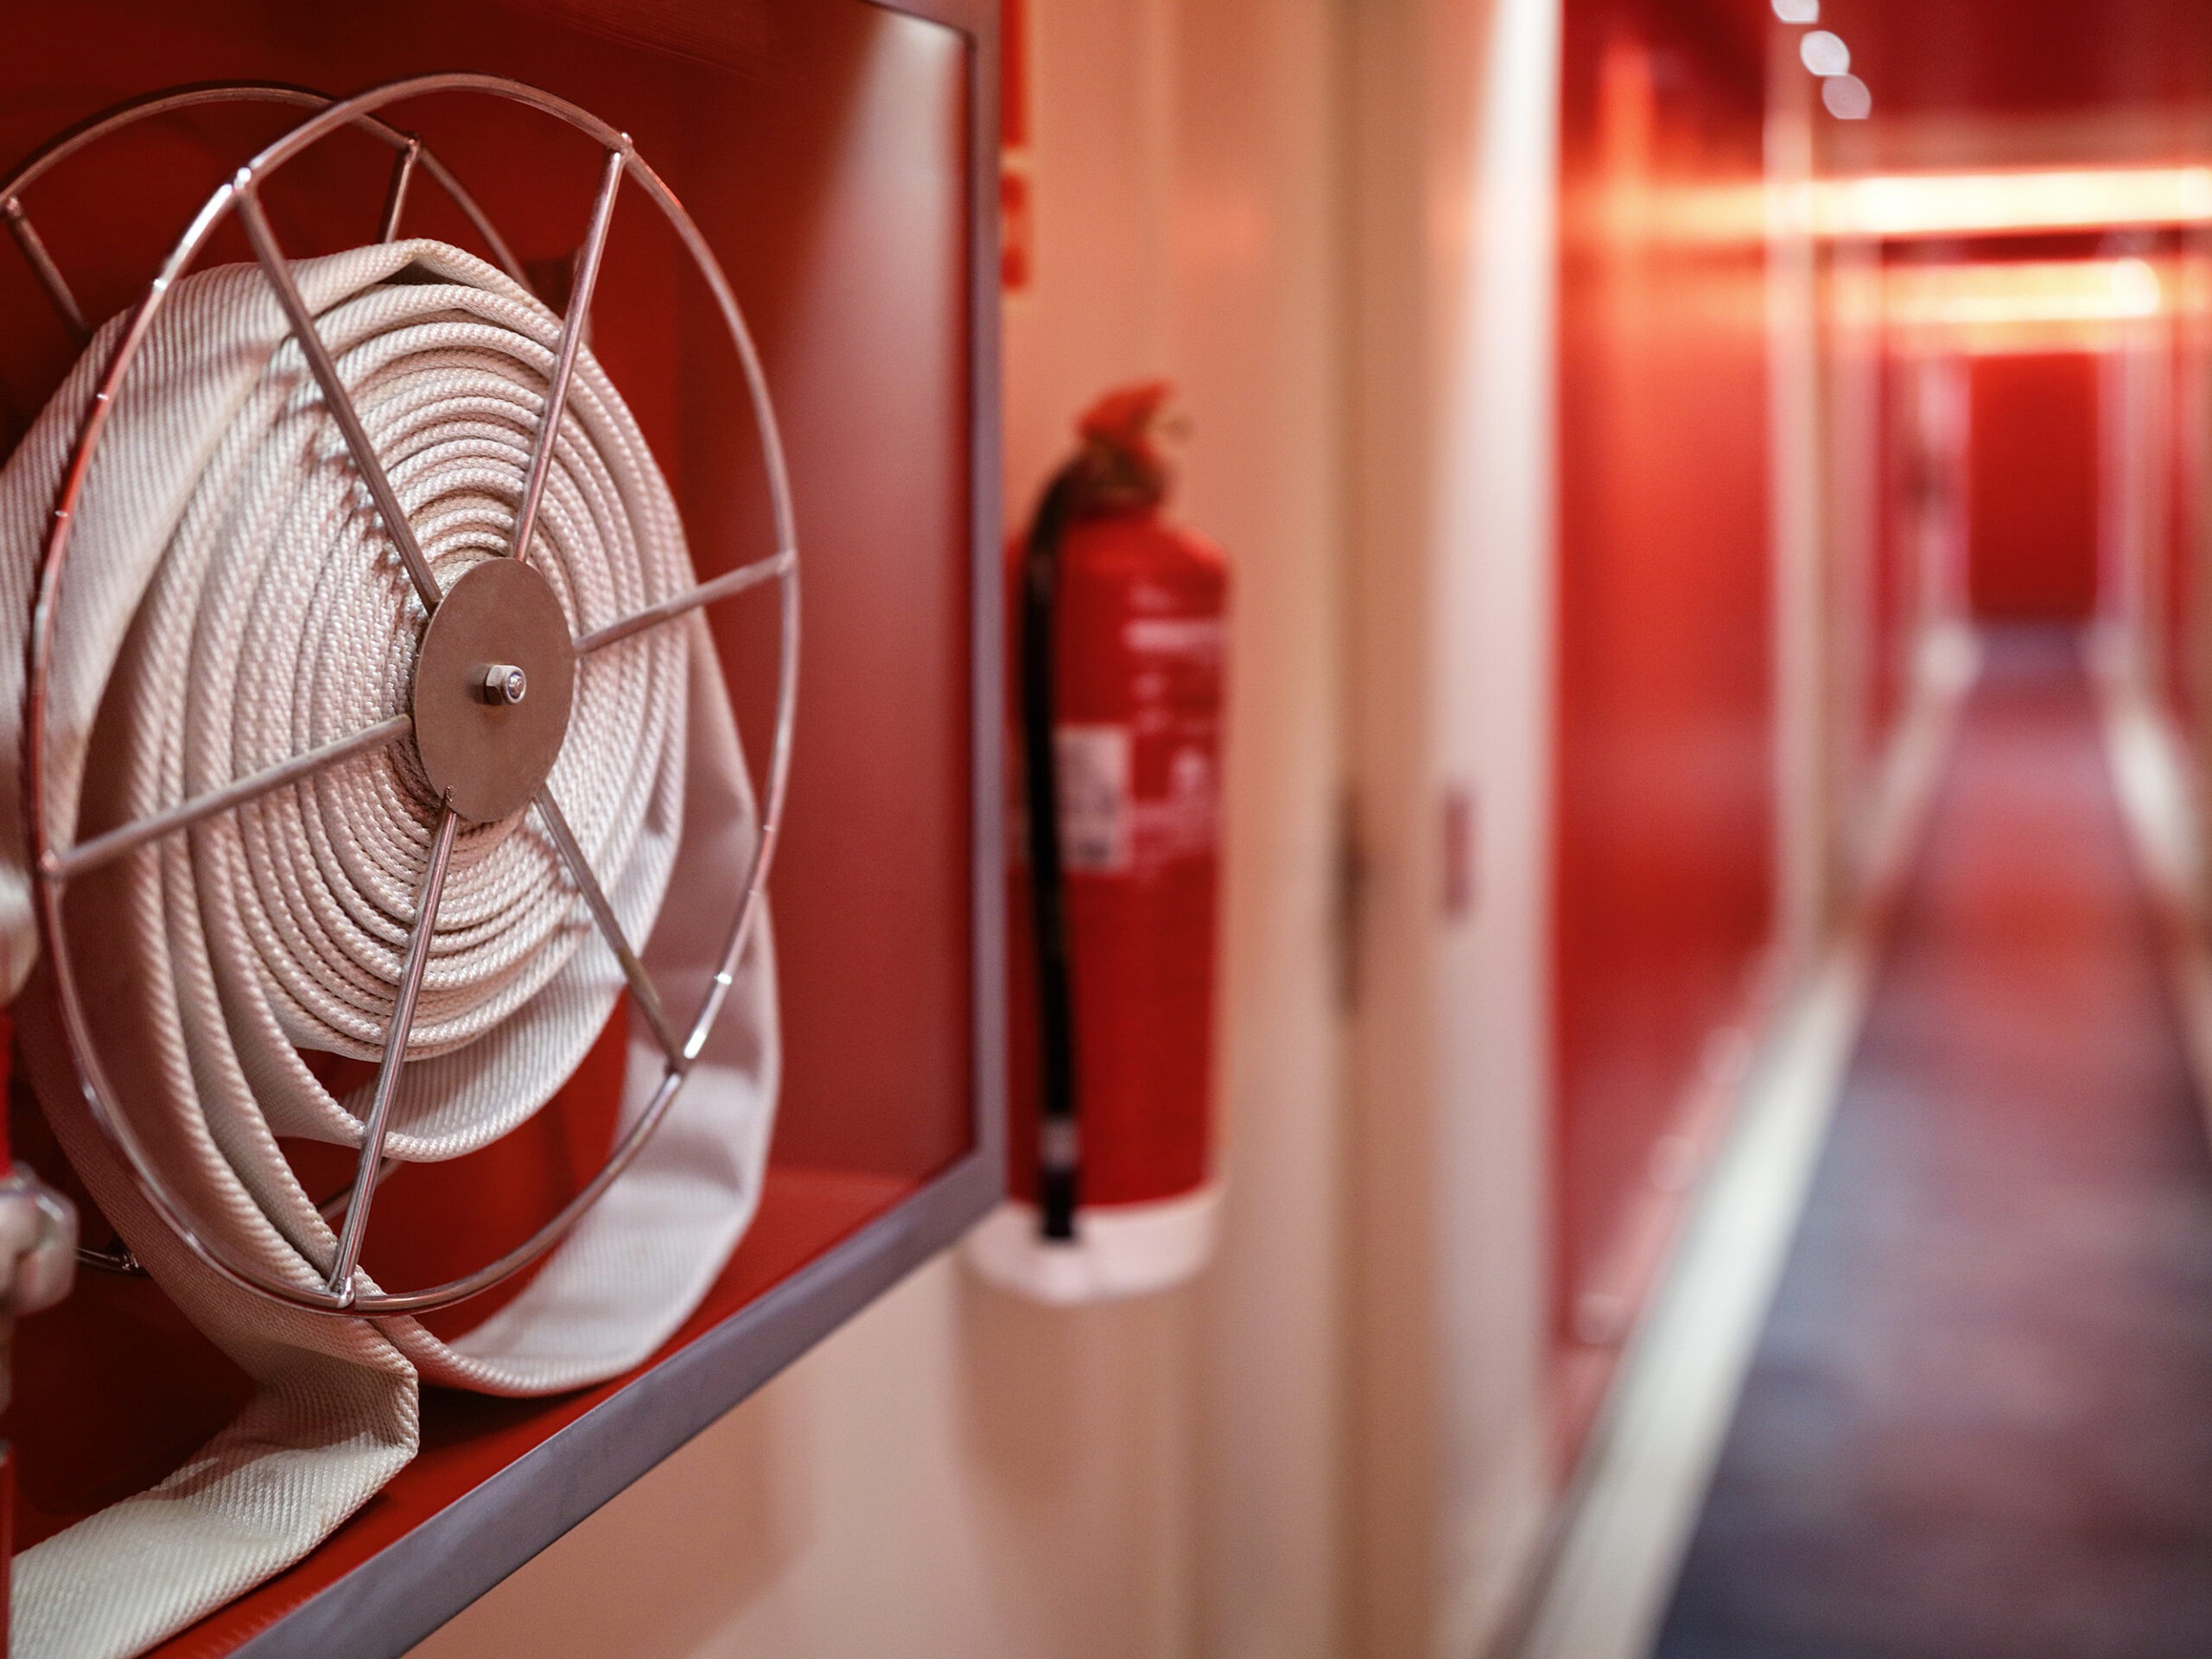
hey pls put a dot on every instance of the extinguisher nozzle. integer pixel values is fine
(1059, 1163)
(1056, 1205)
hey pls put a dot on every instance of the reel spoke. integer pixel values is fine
(641, 984)
(42, 267)
(117, 1259)
(395, 196)
(572, 340)
(706, 593)
(342, 1200)
(371, 1169)
(333, 392)
(105, 849)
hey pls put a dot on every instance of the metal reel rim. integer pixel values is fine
(66, 143)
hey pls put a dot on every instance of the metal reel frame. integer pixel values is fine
(54, 866)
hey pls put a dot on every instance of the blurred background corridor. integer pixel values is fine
(1713, 1016)
(1975, 1423)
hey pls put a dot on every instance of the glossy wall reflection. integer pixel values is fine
(1662, 868)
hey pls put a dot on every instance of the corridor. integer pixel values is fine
(1976, 1424)
(1299, 829)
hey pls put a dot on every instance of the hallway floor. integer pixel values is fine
(1979, 1424)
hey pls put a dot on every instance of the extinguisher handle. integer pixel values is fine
(1059, 1162)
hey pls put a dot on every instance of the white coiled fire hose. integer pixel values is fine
(231, 601)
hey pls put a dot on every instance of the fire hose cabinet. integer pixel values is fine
(500, 867)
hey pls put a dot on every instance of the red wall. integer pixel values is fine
(1908, 475)
(2182, 480)
(2032, 488)
(1665, 689)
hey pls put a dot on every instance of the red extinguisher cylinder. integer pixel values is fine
(1138, 615)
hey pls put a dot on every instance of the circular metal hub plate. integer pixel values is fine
(488, 757)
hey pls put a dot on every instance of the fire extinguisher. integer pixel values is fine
(1116, 641)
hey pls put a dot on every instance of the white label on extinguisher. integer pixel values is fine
(1183, 822)
(1175, 636)
(1095, 819)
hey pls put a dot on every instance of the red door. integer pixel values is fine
(2032, 493)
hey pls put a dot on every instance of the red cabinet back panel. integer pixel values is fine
(824, 149)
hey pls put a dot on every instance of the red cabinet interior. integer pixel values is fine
(825, 151)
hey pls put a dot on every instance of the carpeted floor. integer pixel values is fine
(1978, 1424)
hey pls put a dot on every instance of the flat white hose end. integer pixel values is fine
(38, 1244)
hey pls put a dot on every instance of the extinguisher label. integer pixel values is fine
(1183, 821)
(1095, 817)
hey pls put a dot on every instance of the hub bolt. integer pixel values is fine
(502, 684)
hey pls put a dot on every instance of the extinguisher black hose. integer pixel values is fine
(1058, 1161)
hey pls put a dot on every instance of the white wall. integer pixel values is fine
(1332, 224)
(1455, 167)
(956, 1473)
(1259, 352)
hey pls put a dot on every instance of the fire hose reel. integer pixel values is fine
(367, 713)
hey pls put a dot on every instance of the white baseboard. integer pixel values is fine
(2155, 781)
